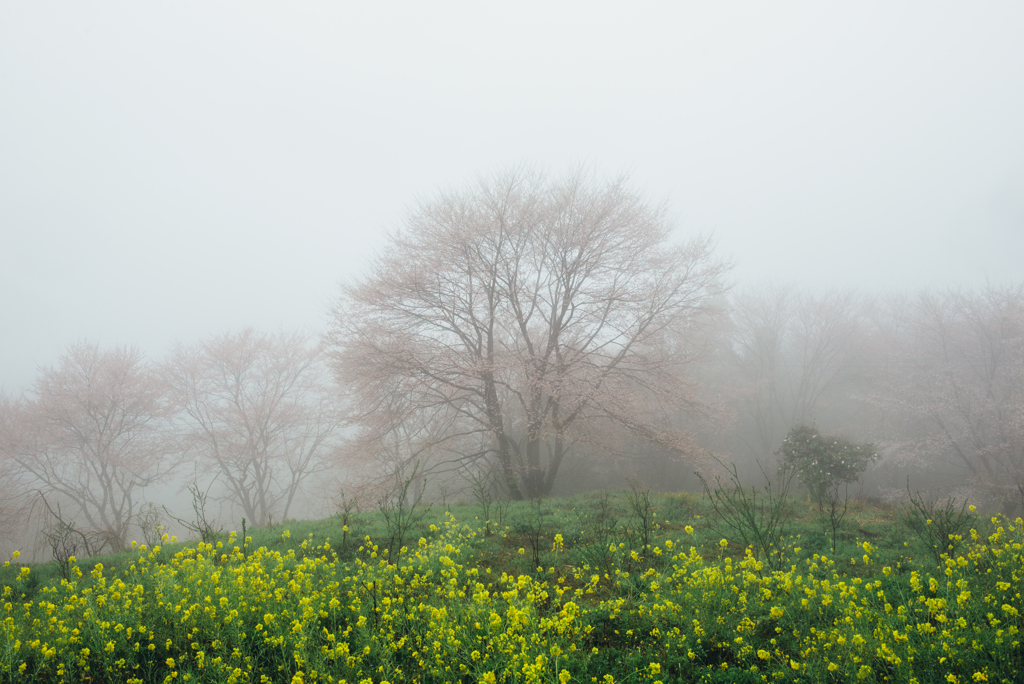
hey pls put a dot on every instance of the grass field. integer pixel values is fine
(604, 587)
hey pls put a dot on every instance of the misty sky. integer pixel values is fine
(174, 170)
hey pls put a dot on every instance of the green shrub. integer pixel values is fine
(823, 462)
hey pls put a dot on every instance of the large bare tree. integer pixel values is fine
(259, 412)
(89, 437)
(503, 321)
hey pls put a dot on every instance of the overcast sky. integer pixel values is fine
(174, 170)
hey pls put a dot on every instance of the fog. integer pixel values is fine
(173, 172)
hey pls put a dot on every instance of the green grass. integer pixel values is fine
(587, 523)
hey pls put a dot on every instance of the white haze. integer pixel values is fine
(173, 170)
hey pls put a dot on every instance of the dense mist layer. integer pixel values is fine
(821, 227)
(170, 172)
(930, 385)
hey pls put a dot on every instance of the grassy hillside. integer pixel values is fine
(604, 587)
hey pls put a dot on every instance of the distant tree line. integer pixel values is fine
(935, 380)
(254, 411)
(551, 334)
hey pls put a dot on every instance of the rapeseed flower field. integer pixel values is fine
(449, 609)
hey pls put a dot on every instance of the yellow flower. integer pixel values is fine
(689, 530)
(170, 662)
(723, 543)
(763, 654)
(777, 612)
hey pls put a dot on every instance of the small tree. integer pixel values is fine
(939, 523)
(823, 462)
(259, 412)
(399, 508)
(759, 518)
(204, 526)
(92, 435)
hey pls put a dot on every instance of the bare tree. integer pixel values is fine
(959, 372)
(258, 410)
(794, 351)
(508, 320)
(17, 498)
(761, 320)
(91, 436)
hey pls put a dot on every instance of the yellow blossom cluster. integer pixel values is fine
(430, 613)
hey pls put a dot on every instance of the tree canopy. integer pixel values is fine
(522, 317)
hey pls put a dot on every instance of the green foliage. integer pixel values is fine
(822, 462)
